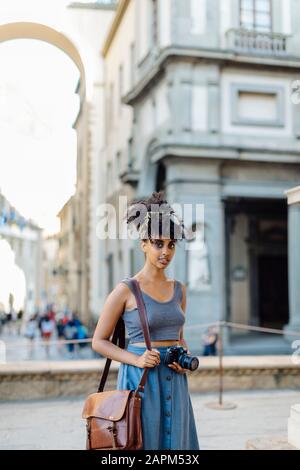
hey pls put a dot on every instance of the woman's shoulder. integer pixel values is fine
(180, 283)
(118, 295)
(120, 291)
(181, 288)
(123, 285)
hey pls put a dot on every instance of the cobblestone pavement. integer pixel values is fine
(57, 423)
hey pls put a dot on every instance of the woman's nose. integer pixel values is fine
(165, 250)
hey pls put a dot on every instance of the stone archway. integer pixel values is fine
(47, 34)
(28, 30)
(78, 29)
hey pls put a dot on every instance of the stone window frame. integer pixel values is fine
(255, 11)
(278, 91)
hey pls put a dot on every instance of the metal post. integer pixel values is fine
(221, 374)
(220, 405)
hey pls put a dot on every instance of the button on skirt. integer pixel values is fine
(168, 421)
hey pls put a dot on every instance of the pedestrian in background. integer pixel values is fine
(47, 329)
(31, 329)
(210, 339)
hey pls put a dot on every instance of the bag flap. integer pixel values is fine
(107, 405)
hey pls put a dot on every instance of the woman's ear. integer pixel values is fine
(143, 247)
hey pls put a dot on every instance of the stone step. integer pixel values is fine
(274, 443)
(33, 380)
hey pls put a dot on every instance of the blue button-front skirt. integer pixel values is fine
(167, 415)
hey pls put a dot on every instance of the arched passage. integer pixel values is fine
(28, 30)
(47, 34)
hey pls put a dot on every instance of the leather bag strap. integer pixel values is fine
(119, 335)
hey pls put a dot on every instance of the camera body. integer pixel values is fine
(179, 354)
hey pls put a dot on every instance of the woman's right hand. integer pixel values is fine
(148, 359)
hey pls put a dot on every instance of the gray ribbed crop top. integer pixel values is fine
(165, 318)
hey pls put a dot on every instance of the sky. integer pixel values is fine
(38, 106)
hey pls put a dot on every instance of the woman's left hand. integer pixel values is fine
(175, 366)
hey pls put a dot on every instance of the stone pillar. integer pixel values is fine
(294, 259)
(294, 295)
(294, 427)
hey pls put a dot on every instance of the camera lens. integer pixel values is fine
(194, 363)
(189, 362)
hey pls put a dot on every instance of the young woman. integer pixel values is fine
(167, 414)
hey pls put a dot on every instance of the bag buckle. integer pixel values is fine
(113, 430)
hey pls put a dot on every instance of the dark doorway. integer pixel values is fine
(160, 177)
(273, 291)
(264, 244)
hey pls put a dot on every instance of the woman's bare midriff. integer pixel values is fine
(157, 344)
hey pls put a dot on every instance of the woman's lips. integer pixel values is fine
(163, 260)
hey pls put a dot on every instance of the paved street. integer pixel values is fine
(56, 424)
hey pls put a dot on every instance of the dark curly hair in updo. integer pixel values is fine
(154, 218)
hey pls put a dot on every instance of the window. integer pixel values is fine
(118, 164)
(131, 262)
(110, 268)
(256, 15)
(111, 104)
(120, 258)
(257, 105)
(154, 22)
(132, 64)
(121, 86)
(130, 152)
(109, 177)
(154, 120)
(250, 102)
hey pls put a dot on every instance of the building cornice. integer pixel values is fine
(221, 152)
(93, 6)
(65, 207)
(227, 58)
(121, 9)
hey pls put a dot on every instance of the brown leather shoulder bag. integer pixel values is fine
(113, 418)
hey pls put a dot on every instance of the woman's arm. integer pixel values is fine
(110, 314)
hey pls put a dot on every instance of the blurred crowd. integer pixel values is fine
(65, 326)
(48, 326)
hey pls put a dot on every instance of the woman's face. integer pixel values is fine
(160, 251)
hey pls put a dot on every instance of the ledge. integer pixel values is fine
(94, 5)
(35, 380)
(224, 57)
(220, 148)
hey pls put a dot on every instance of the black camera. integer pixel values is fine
(179, 354)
